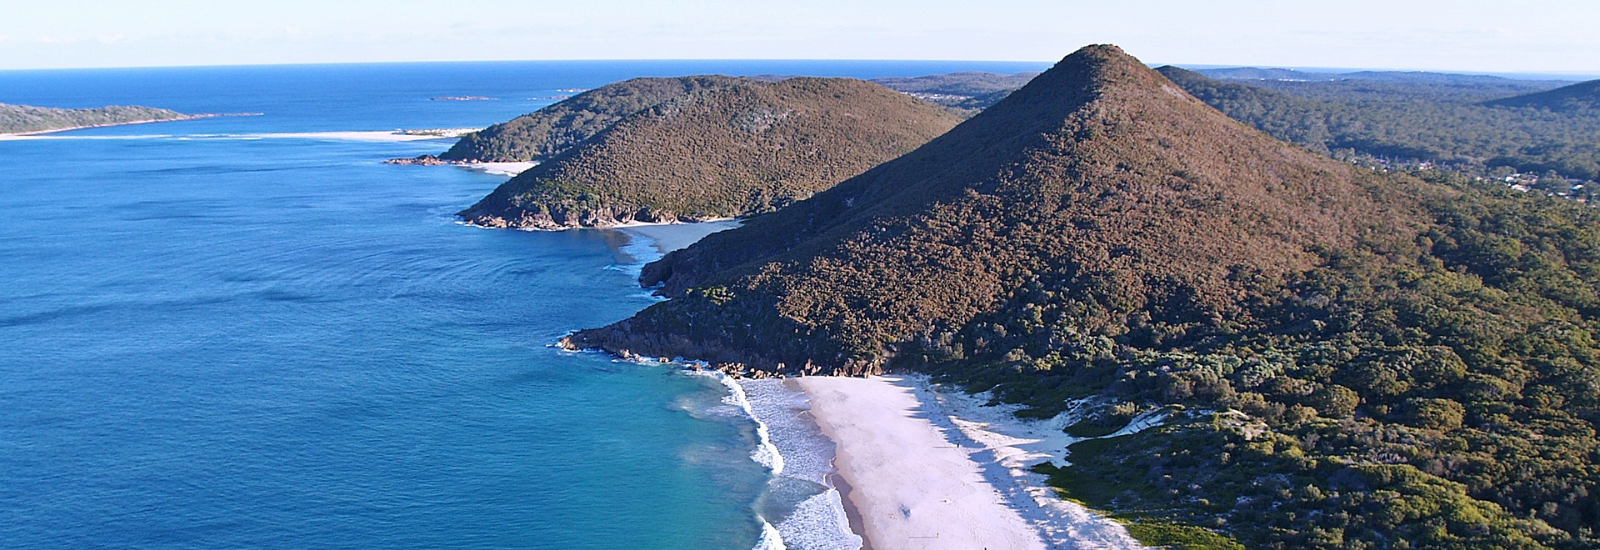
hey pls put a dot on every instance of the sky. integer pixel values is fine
(1528, 36)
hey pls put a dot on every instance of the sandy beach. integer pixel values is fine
(499, 168)
(929, 469)
(667, 237)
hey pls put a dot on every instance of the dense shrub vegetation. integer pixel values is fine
(966, 92)
(1469, 126)
(559, 127)
(742, 149)
(1402, 386)
(1356, 359)
(22, 118)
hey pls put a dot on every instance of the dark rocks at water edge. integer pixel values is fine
(421, 160)
(731, 369)
(588, 217)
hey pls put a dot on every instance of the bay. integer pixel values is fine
(249, 332)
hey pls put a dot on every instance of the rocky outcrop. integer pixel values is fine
(420, 160)
(567, 219)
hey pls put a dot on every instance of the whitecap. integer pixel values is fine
(820, 523)
(770, 538)
(765, 453)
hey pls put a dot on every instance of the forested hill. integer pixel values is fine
(1583, 96)
(18, 119)
(1444, 124)
(1291, 76)
(743, 148)
(1345, 358)
(554, 129)
(966, 92)
(1098, 171)
(1473, 124)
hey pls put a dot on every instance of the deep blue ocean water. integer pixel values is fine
(216, 335)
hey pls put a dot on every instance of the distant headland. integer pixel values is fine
(29, 120)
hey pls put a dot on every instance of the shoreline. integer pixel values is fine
(669, 236)
(115, 124)
(852, 513)
(914, 465)
(800, 508)
(644, 226)
(912, 488)
(509, 169)
(916, 460)
(638, 244)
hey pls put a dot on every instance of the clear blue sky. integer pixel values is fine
(1546, 36)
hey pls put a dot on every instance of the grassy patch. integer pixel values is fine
(1179, 536)
(1099, 492)
(1092, 491)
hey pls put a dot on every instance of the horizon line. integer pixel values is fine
(1557, 75)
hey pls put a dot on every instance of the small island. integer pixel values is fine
(25, 119)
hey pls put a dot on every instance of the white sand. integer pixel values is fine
(1007, 447)
(667, 237)
(911, 486)
(499, 168)
(958, 467)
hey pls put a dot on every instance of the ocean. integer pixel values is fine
(249, 332)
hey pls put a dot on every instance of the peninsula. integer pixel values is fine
(545, 133)
(1254, 343)
(23, 119)
(715, 147)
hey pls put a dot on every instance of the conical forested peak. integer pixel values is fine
(1100, 183)
(1101, 233)
(1090, 73)
(1097, 65)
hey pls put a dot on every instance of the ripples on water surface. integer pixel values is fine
(226, 341)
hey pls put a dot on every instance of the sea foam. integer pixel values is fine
(770, 538)
(766, 453)
(814, 516)
(788, 443)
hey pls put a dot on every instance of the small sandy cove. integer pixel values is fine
(921, 477)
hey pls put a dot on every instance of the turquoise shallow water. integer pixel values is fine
(215, 336)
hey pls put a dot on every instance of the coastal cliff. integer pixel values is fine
(745, 148)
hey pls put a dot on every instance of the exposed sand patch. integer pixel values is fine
(912, 487)
(960, 468)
